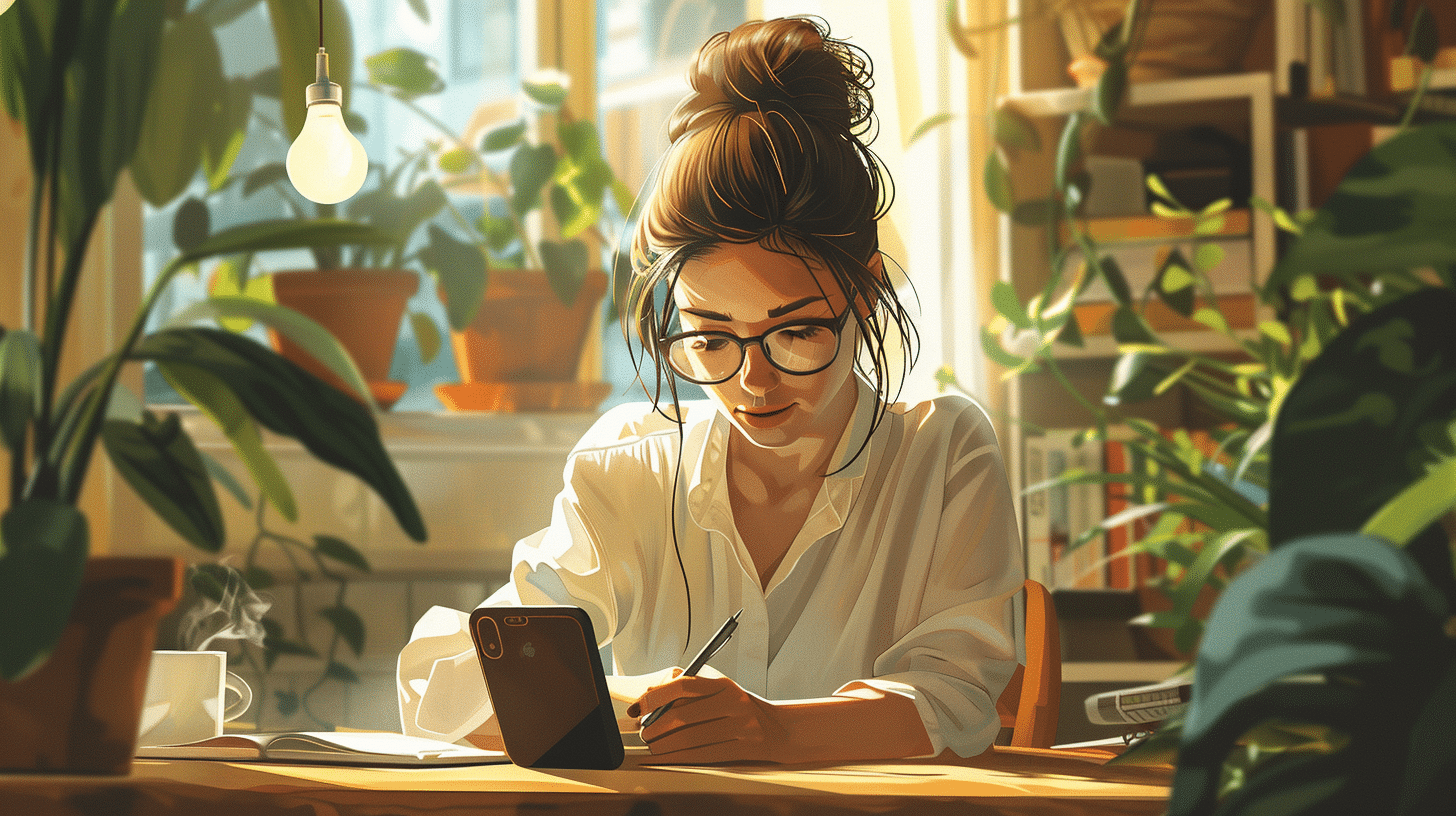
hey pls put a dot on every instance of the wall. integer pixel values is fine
(482, 481)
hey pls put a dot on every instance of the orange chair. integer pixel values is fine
(1032, 700)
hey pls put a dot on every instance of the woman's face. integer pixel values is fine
(746, 290)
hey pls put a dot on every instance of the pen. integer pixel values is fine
(724, 633)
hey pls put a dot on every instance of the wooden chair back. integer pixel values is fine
(1032, 700)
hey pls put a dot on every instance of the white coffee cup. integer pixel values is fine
(187, 697)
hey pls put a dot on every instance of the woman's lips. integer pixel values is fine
(763, 417)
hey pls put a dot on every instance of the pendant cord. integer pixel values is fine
(321, 23)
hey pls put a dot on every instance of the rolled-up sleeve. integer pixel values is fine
(957, 655)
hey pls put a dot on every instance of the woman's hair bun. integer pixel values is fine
(789, 64)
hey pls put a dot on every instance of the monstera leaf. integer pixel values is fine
(1338, 633)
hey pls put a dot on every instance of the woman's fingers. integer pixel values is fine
(673, 690)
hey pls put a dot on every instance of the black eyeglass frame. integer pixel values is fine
(834, 324)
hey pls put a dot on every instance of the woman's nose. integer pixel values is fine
(758, 375)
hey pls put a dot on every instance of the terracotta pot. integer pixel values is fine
(79, 712)
(523, 333)
(1183, 37)
(363, 308)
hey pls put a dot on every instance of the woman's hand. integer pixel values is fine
(712, 720)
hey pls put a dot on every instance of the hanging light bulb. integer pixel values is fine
(325, 163)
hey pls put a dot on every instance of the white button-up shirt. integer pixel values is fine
(901, 577)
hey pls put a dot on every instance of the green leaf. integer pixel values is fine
(1342, 603)
(531, 167)
(206, 584)
(575, 212)
(1136, 376)
(20, 386)
(566, 265)
(157, 458)
(991, 345)
(1009, 305)
(456, 161)
(191, 224)
(1129, 327)
(498, 232)
(1034, 213)
(1394, 210)
(338, 671)
(460, 269)
(341, 551)
(1424, 41)
(1116, 282)
(43, 547)
(996, 178)
(227, 129)
(1417, 506)
(405, 72)
(548, 94)
(1013, 129)
(427, 335)
(334, 427)
(1207, 257)
(503, 137)
(264, 175)
(1158, 188)
(25, 73)
(928, 124)
(259, 578)
(1069, 150)
(215, 399)
(286, 233)
(300, 328)
(348, 624)
(1111, 88)
(296, 35)
(1174, 284)
(115, 61)
(185, 87)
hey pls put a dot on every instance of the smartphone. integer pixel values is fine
(546, 682)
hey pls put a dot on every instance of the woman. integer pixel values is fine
(871, 546)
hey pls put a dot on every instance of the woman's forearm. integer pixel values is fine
(861, 724)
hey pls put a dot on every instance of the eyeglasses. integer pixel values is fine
(805, 346)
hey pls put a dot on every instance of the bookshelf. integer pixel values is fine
(1295, 137)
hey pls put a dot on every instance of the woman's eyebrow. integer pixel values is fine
(706, 314)
(787, 308)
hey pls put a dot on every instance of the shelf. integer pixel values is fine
(1204, 89)
(1131, 672)
(1135, 229)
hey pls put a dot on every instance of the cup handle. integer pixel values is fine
(240, 687)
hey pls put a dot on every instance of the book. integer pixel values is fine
(1121, 572)
(1037, 513)
(328, 748)
(1073, 509)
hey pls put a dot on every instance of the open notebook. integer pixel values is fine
(329, 748)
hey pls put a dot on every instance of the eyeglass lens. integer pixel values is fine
(714, 357)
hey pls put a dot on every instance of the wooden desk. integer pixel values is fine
(1003, 781)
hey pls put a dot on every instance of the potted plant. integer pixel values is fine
(1326, 679)
(84, 78)
(545, 186)
(358, 293)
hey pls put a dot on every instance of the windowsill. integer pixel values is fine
(482, 481)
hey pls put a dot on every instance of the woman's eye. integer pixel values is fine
(803, 332)
(708, 343)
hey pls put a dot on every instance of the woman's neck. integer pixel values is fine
(761, 474)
